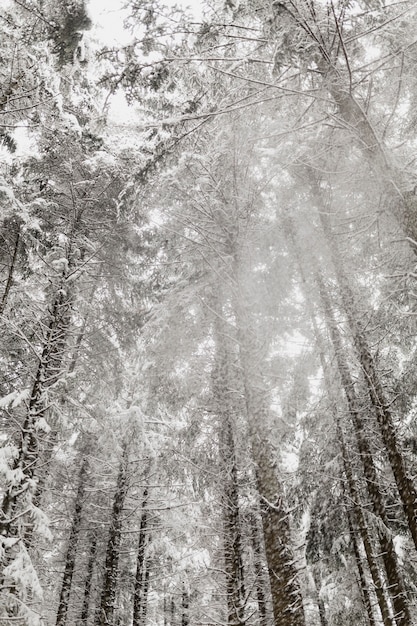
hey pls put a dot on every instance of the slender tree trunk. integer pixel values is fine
(172, 612)
(394, 576)
(145, 592)
(285, 590)
(232, 539)
(165, 609)
(42, 475)
(405, 484)
(260, 582)
(105, 615)
(363, 584)
(366, 539)
(399, 200)
(18, 496)
(12, 268)
(61, 618)
(222, 385)
(51, 439)
(396, 585)
(185, 605)
(139, 592)
(88, 580)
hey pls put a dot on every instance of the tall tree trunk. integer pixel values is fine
(394, 576)
(405, 484)
(61, 618)
(396, 585)
(363, 584)
(88, 580)
(172, 612)
(105, 614)
(222, 385)
(232, 538)
(365, 536)
(401, 201)
(320, 604)
(12, 268)
(285, 590)
(260, 582)
(139, 592)
(337, 80)
(165, 609)
(185, 606)
(17, 507)
(51, 439)
(145, 592)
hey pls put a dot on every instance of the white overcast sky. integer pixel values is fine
(108, 16)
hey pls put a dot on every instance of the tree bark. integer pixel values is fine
(365, 536)
(20, 493)
(105, 613)
(139, 591)
(12, 268)
(88, 581)
(260, 582)
(232, 538)
(222, 387)
(145, 592)
(185, 605)
(405, 484)
(73, 539)
(285, 590)
(363, 584)
(336, 79)
(396, 585)
(394, 576)
(172, 612)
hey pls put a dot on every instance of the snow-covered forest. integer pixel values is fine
(208, 314)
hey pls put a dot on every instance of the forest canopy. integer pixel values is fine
(208, 309)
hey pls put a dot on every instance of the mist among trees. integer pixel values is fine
(208, 314)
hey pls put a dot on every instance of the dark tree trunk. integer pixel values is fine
(61, 618)
(395, 582)
(48, 449)
(88, 580)
(364, 534)
(320, 604)
(405, 485)
(105, 614)
(145, 592)
(12, 268)
(233, 541)
(286, 597)
(185, 605)
(260, 581)
(139, 592)
(165, 610)
(222, 387)
(285, 590)
(18, 497)
(172, 612)
(363, 584)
